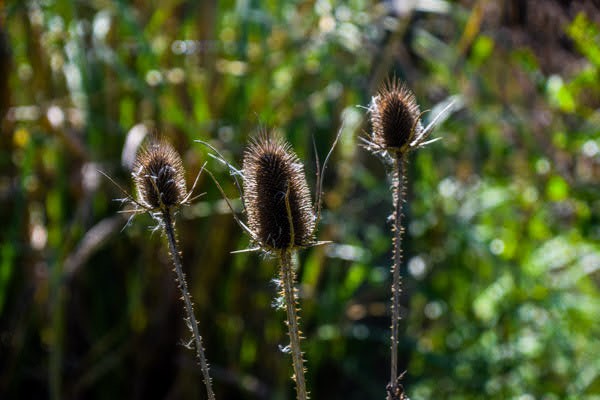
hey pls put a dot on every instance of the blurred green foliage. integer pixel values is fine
(502, 256)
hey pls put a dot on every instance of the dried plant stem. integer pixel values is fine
(56, 357)
(399, 186)
(191, 319)
(289, 292)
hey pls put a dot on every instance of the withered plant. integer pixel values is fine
(280, 220)
(159, 179)
(396, 131)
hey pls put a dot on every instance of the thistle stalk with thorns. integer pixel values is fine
(281, 220)
(159, 179)
(396, 131)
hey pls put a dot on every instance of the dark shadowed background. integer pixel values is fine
(502, 256)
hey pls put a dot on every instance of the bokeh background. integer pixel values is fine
(501, 272)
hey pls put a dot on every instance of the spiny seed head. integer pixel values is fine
(159, 175)
(274, 182)
(395, 117)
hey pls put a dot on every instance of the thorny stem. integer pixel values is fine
(399, 183)
(191, 319)
(289, 292)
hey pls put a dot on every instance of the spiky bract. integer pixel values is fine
(395, 118)
(276, 195)
(159, 176)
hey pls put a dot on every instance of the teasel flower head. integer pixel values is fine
(276, 195)
(159, 176)
(395, 117)
(396, 121)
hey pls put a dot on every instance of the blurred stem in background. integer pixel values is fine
(56, 359)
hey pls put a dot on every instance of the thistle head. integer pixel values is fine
(276, 195)
(159, 176)
(395, 118)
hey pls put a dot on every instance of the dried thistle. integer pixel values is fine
(277, 198)
(159, 178)
(395, 117)
(396, 121)
(397, 130)
(281, 219)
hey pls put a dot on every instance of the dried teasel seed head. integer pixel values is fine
(276, 195)
(159, 175)
(395, 117)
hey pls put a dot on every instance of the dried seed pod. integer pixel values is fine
(276, 195)
(159, 176)
(395, 117)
